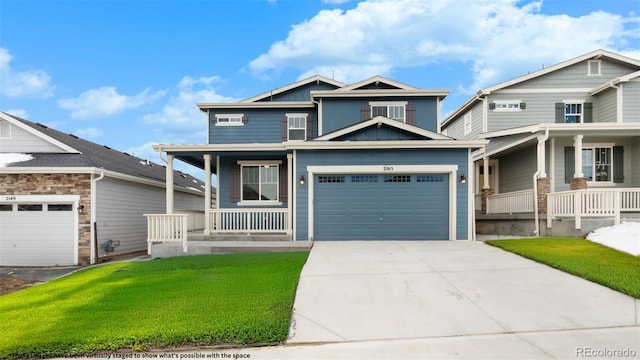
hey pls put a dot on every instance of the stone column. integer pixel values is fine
(544, 187)
(578, 183)
(485, 195)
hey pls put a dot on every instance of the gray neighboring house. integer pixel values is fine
(69, 201)
(564, 147)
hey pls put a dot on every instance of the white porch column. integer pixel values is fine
(207, 193)
(169, 179)
(542, 157)
(218, 182)
(485, 180)
(292, 183)
(577, 144)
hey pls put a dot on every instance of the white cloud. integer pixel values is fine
(15, 83)
(106, 101)
(500, 39)
(335, 2)
(89, 133)
(21, 113)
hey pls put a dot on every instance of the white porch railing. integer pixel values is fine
(167, 228)
(592, 203)
(512, 202)
(249, 220)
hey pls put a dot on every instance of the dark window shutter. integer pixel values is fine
(234, 183)
(569, 163)
(285, 130)
(492, 106)
(560, 113)
(411, 114)
(618, 164)
(523, 106)
(365, 112)
(588, 112)
(245, 119)
(283, 183)
(309, 127)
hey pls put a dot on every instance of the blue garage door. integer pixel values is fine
(381, 207)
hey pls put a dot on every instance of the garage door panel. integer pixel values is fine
(412, 207)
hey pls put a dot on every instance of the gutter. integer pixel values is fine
(94, 234)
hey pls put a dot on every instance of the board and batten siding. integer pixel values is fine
(631, 101)
(22, 141)
(120, 209)
(605, 106)
(382, 157)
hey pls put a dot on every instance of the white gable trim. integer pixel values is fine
(376, 79)
(294, 85)
(64, 147)
(379, 121)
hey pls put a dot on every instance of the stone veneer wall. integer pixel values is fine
(57, 184)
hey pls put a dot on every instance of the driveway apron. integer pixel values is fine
(391, 290)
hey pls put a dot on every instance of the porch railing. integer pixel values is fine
(592, 203)
(249, 220)
(512, 202)
(167, 228)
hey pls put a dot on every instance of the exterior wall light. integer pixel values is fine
(80, 209)
(463, 179)
(301, 180)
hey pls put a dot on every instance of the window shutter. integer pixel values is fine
(560, 113)
(618, 164)
(283, 183)
(492, 106)
(569, 163)
(588, 112)
(245, 119)
(309, 127)
(523, 106)
(411, 114)
(365, 112)
(285, 133)
(234, 183)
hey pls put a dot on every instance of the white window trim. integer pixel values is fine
(276, 163)
(600, 145)
(229, 116)
(390, 103)
(506, 102)
(467, 123)
(590, 64)
(581, 103)
(304, 127)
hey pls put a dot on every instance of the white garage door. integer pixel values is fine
(38, 233)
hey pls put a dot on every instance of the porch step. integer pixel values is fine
(239, 237)
(164, 250)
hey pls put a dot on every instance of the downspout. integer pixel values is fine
(94, 235)
(535, 189)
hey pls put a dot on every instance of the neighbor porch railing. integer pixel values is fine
(167, 228)
(512, 202)
(249, 220)
(592, 203)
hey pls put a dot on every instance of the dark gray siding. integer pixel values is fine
(383, 133)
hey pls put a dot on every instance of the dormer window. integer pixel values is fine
(296, 127)
(395, 110)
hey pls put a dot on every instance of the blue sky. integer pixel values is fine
(128, 73)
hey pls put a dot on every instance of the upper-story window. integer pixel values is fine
(5, 129)
(573, 112)
(594, 67)
(395, 110)
(468, 126)
(296, 127)
(508, 105)
(229, 120)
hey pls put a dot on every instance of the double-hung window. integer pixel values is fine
(597, 163)
(296, 127)
(467, 123)
(572, 112)
(260, 182)
(395, 110)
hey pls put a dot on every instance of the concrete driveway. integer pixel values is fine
(465, 295)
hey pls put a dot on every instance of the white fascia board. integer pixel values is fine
(35, 132)
(400, 144)
(512, 131)
(220, 147)
(316, 78)
(376, 79)
(461, 110)
(377, 93)
(382, 120)
(258, 105)
(569, 128)
(505, 147)
(612, 82)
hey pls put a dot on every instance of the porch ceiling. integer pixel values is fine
(196, 158)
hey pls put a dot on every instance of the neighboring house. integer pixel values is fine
(323, 160)
(567, 136)
(68, 201)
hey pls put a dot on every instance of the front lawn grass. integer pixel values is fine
(603, 265)
(192, 300)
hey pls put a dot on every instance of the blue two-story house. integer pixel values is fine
(323, 160)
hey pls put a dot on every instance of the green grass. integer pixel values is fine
(609, 267)
(195, 300)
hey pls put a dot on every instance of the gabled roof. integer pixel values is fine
(595, 55)
(380, 121)
(316, 78)
(376, 80)
(391, 88)
(86, 154)
(615, 81)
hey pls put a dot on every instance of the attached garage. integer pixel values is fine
(382, 207)
(38, 230)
